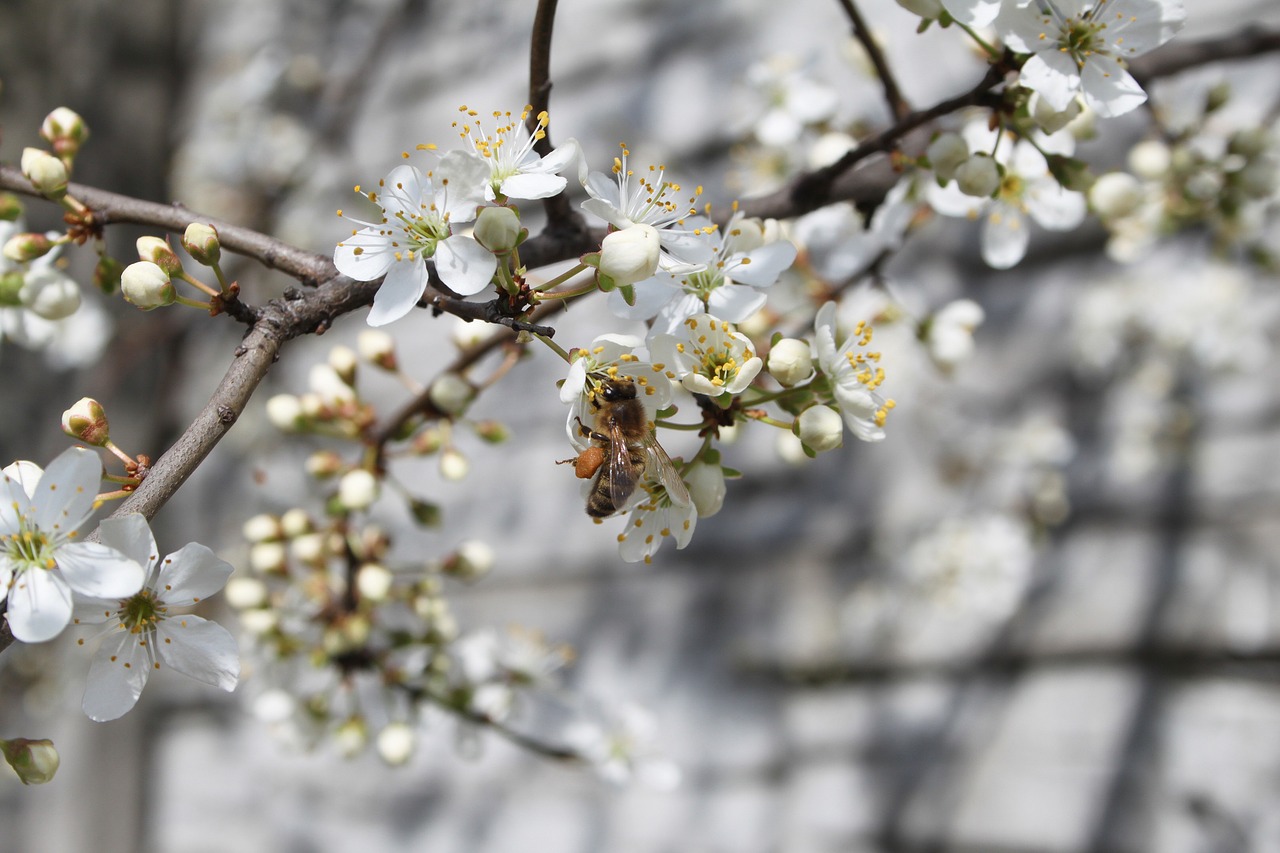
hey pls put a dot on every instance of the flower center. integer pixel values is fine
(141, 612)
(1081, 38)
(30, 548)
(508, 146)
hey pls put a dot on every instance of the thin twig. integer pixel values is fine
(898, 106)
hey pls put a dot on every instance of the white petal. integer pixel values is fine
(684, 306)
(574, 381)
(39, 605)
(651, 295)
(64, 498)
(399, 292)
(1053, 74)
(608, 212)
(117, 675)
(365, 255)
(734, 302)
(131, 536)
(200, 649)
(761, 267)
(1004, 236)
(533, 185)
(92, 568)
(27, 474)
(464, 265)
(975, 13)
(191, 575)
(461, 178)
(14, 505)
(1110, 90)
(1053, 207)
(405, 190)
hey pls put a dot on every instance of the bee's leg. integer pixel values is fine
(590, 433)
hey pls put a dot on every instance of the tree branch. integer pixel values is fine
(898, 106)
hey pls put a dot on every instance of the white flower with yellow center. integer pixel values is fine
(41, 563)
(855, 374)
(626, 199)
(419, 211)
(707, 356)
(1080, 47)
(610, 357)
(515, 169)
(143, 629)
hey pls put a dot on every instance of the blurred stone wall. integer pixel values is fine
(1126, 701)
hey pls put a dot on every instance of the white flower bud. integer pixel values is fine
(497, 229)
(377, 347)
(821, 428)
(87, 421)
(630, 255)
(357, 489)
(324, 464)
(343, 361)
(946, 153)
(259, 620)
(1115, 195)
(285, 412)
(453, 465)
(295, 522)
(1150, 160)
(308, 548)
(50, 294)
(923, 8)
(244, 593)
(329, 384)
(374, 582)
(351, 737)
(147, 286)
(467, 334)
(978, 176)
(396, 743)
(159, 252)
(65, 130)
(27, 246)
(202, 244)
(472, 559)
(791, 362)
(261, 528)
(35, 761)
(706, 487)
(46, 173)
(451, 394)
(268, 557)
(950, 337)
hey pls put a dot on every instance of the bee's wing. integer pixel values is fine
(622, 474)
(659, 465)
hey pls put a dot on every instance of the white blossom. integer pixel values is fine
(855, 374)
(515, 169)
(707, 356)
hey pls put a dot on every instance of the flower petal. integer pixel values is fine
(1110, 90)
(399, 292)
(200, 649)
(191, 575)
(1004, 236)
(91, 568)
(734, 302)
(64, 498)
(761, 267)
(651, 295)
(364, 256)
(1053, 74)
(39, 605)
(117, 675)
(131, 536)
(533, 185)
(464, 265)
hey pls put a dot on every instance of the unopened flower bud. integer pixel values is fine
(106, 274)
(268, 557)
(357, 489)
(630, 255)
(946, 153)
(949, 334)
(10, 207)
(378, 348)
(498, 229)
(258, 621)
(202, 244)
(147, 286)
(374, 582)
(308, 548)
(159, 252)
(396, 743)
(330, 385)
(706, 487)
(428, 441)
(49, 293)
(472, 559)
(821, 428)
(10, 288)
(467, 334)
(87, 421)
(46, 173)
(244, 593)
(261, 528)
(453, 465)
(790, 362)
(978, 176)
(295, 522)
(494, 432)
(343, 361)
(35, 761)
(65, 130)
(351, 737)
(1150, 159)
(451, 394)
(324, 464)
(27, 246)
(285, 412)
(1115, 195)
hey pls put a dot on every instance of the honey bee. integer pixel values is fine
(623, 451)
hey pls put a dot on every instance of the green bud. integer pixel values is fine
(87, 421)
(10, 207)
(106, 274)
(66, 132)
(201, 242)
(26, 246)
(158, 252)
(46, 173)
(35, 761)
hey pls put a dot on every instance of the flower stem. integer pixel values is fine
(555, 347)
(990, 51)
(561, 279)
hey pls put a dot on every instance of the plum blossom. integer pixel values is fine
(707, 356)
(41, 561)
(745, 262)
(855, 375)
(1026, 189)
(1080, 47)
(626, 199)
(656, 517)
(515, 169)
(610, 357)
(142, 629)
(419, 211)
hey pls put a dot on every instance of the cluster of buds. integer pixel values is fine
(150, 282)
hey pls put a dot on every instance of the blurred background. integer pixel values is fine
(1040, 616)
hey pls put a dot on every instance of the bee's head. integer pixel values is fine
(615, 390)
